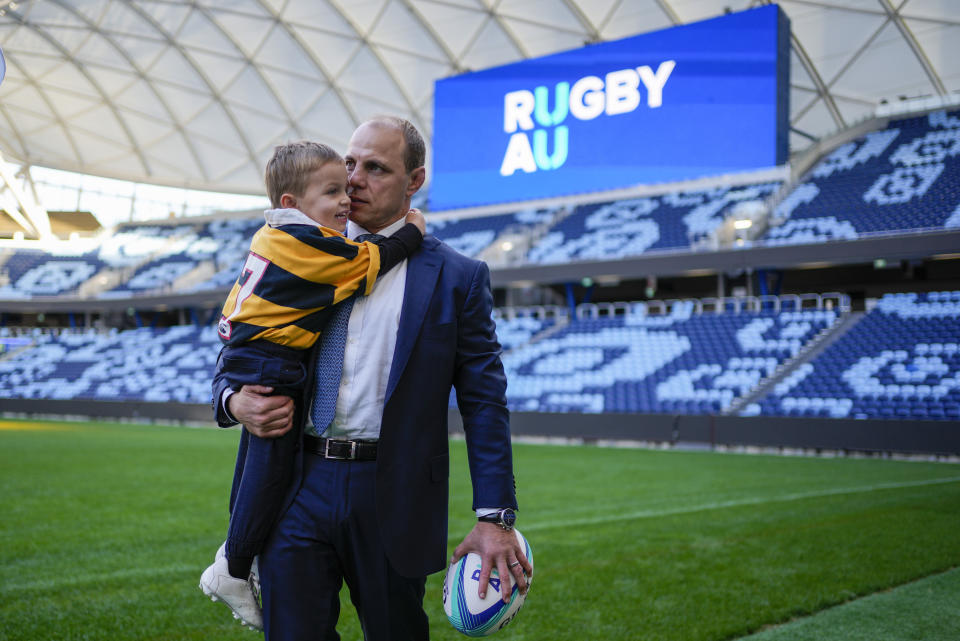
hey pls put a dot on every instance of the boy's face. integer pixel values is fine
(325, 198)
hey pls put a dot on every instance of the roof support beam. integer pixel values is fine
(36, 214)
(941, 20)
(68, 56)
(667, 9)
(364, 38)
(800, 113)
(434, 35)
(593, 33)
(172, 41)
(822, 90)
(140, 74)
(498, 18)
(894, 15)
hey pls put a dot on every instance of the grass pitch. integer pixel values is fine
(105, 528)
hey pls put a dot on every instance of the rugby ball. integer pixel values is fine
(467, 612)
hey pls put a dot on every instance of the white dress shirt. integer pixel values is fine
(368, 354)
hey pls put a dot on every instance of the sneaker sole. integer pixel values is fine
(213, 597)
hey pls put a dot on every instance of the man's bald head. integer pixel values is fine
(415, 154)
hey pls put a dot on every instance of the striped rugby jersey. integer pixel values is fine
(295, 272)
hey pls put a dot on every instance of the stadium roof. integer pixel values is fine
(196, 93)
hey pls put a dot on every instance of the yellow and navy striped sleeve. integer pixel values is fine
(292, 277)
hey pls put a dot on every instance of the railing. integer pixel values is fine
(830, 301)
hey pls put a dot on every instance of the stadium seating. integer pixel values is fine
(470, 236)
(132, 245)
(154, 255)
(902, 360)
(184, 247)
(631, 361)
(683, 362)
(145, 249)
(225, 242)
(904, 177)
(516, 329)
(232, 240)
(172, 364)
(34, 272)
(604, 231)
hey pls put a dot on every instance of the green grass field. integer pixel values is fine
(105, 528)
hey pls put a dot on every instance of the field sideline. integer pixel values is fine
(106, 527)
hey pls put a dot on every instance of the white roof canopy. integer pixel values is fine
(196, 93)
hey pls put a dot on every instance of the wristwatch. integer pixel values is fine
(505, 518)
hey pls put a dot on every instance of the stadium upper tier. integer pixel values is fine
(135, 259)
(903, 178)
(622, 228)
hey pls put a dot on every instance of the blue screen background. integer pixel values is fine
(724, 110)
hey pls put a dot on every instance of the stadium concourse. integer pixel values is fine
(893, 356)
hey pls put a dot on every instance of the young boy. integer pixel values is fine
(299, 266)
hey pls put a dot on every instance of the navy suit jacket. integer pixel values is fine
(446, 338)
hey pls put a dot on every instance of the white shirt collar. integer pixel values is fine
(354, 230)
(277, 217)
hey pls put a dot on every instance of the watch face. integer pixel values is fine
(509, 517)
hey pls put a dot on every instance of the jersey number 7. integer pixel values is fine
(253, 270)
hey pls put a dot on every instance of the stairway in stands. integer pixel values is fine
(810, 351)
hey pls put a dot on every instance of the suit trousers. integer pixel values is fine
(330, 534)
(261, 481)
(264, 466)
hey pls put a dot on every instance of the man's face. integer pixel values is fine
(380, 187)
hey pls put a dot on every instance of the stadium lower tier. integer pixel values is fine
(159, 365)
(681, 362)
(900, 360)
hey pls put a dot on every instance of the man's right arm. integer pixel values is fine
(263, 415)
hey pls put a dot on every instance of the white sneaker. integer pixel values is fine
(255, 578)
(254, 569)
(237, 594)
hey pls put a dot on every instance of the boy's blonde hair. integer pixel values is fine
(291, 165)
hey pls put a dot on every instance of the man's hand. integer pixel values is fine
(414, 216)
(264, 416)
(498, 548)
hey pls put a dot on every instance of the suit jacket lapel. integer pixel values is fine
(423, 268)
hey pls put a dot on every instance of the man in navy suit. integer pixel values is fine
(369, 500)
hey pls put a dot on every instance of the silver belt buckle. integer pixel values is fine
(351, 457)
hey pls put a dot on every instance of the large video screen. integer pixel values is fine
(701, 99)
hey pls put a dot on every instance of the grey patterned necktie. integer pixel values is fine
(329, 363)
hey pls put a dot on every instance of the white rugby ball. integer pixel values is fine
(467, 612)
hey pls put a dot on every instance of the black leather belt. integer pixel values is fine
(332, 448)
